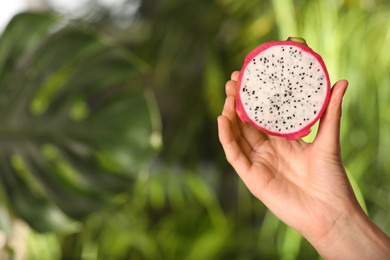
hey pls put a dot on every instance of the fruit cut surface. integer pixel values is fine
(284, 88)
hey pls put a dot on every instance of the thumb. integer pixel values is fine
(328, 135)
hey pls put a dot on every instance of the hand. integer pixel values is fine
(303, 184)
(300, 183)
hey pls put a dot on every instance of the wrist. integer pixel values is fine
(353, 236)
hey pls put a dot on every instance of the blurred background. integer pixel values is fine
(109, 146)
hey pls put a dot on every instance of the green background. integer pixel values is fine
(108, 137)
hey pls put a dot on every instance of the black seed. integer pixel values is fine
(315, 112)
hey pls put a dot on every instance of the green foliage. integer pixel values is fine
(70, 107)
(79, 125)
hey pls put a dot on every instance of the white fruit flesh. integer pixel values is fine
(283, 89)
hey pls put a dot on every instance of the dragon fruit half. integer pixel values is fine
(283, 88)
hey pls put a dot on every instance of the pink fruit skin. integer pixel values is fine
(240, 109)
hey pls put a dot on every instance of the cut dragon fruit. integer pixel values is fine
(283, 88)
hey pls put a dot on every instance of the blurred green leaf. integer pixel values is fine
(214, 81)
(209, 245)
(291, 244)
(43, 246)
(285, 18)
(76, 118)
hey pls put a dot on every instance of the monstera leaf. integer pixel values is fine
(76, 121)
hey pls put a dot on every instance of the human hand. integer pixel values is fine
(303, 184)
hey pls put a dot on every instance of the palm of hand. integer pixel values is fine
(299, 182)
